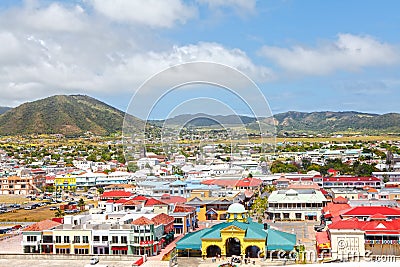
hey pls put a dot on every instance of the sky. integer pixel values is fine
(302, 55)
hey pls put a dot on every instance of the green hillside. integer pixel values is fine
(65, 114)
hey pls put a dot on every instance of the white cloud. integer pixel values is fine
(239, 6)
(53, 18)
(153, 13)
(349, 52)
(87, 54)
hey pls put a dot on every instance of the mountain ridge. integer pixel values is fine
(63, 114)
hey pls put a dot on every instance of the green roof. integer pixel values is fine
(190, 241)
(277, 240)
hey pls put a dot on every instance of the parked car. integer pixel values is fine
(94, 260)
(53, 208)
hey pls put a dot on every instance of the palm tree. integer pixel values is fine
(81, 203)
(59, 213)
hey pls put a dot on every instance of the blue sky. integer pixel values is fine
(303, 55)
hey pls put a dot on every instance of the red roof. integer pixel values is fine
(335, 209)
(173, 199)
(152, 201)
(371, 210)
(162, 218)
(140, 198)
(322, 237)
(323, 191)
(142, 221)
(132, 202)
(43, 225)
(221, 182)
(248, 182)
(116, 194)
(373, 227)
(340, 199)
(352, 223)
(121, 200)
(183, 208)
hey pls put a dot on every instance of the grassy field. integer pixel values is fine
(13, 199)
(35, 215)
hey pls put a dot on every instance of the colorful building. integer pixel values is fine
(239, 236)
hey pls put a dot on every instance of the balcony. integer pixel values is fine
(101, 243)
(30, 243)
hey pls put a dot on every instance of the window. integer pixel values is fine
(30, 238)
(66, 239)
(77, 239)
(178, 220)
(114, 239)
(47, 239)
(58, 239)
(85, 239)
(104, 238)
(96, 238)
(124, 240)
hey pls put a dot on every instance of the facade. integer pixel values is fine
(305, 204)
(351, 182)
(17, 185)
(239, 236)
(134, 234)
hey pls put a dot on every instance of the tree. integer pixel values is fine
(280, 167)
(100, 190)
(81, 203)
(59, 213)
(259, 206)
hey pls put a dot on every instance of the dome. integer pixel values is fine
(236, 208)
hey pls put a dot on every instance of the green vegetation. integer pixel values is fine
(61, 114)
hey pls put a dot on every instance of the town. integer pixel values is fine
(205, 202)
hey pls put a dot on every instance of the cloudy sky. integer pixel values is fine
(303, 55)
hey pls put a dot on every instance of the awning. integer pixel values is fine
(62, 246)
(119, 248)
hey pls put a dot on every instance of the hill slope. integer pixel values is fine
(298, 122)
(327, 121)
(4, 109)
(69, 115)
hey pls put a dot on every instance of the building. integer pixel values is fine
(17, 185)
(301, 204)
(351, 182)
(239, 236)
(38, 238)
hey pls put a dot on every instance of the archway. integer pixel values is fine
(213, 251)
(252, 251)
(233, 247)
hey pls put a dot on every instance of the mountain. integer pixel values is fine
(4, 109)
(65, 114)
(299, 122)
(202, 119)
(330, 122)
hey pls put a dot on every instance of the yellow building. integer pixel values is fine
(211, 208)
(239, 236)
(65, 182)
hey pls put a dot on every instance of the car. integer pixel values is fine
(94, 260)
(28, 208)
(53, 208)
